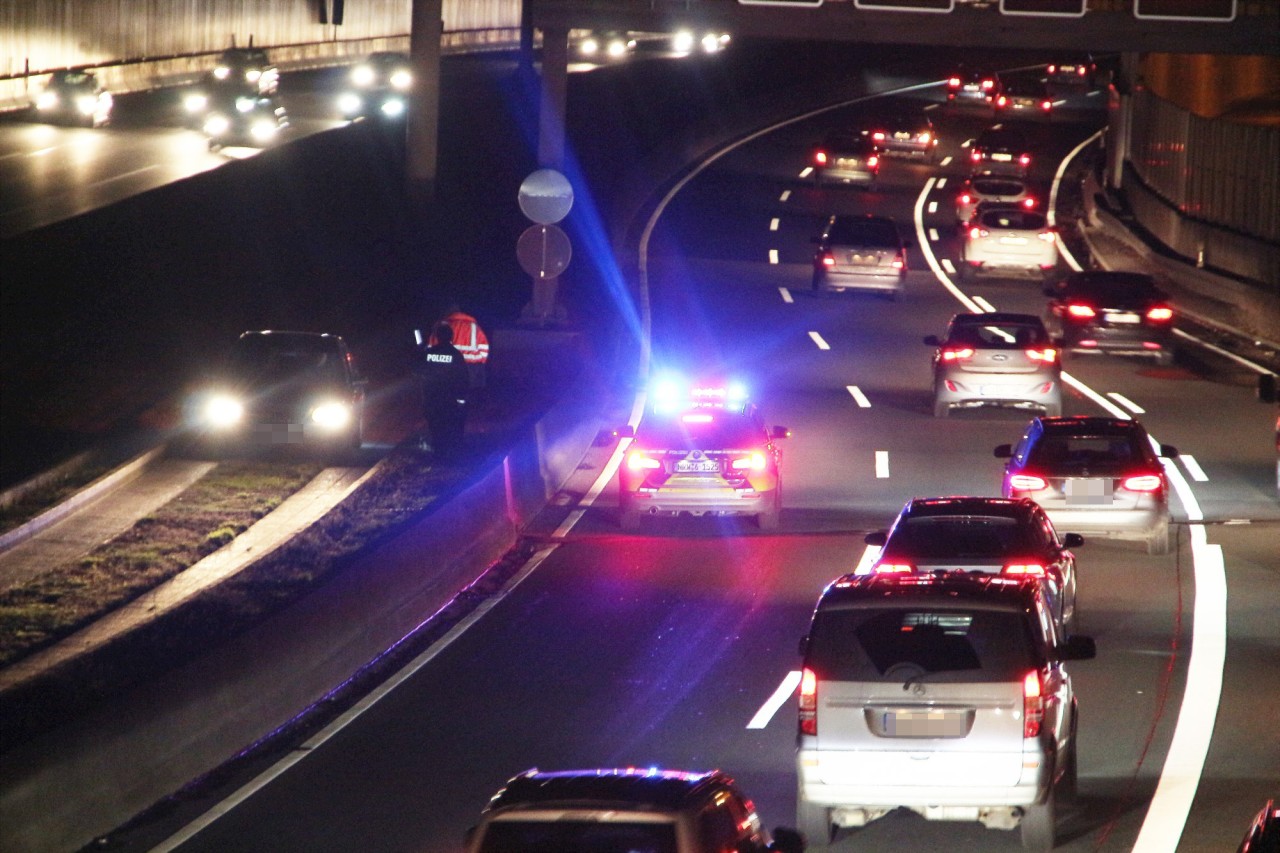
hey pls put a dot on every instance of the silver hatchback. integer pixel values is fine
(860, 253)
(995, 359)
(1008, 240)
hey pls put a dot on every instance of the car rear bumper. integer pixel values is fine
(892, 281)
(873, 793)
(699, 501)
(973, 390)
(1118, 523)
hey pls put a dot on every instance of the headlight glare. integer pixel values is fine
(222, 411)
(331, 415)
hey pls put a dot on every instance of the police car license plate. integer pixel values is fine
(1120, 317)
(697, 466)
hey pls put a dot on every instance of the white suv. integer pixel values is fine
(945, 694)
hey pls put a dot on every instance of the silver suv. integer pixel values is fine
(995, 359)
(945, 694)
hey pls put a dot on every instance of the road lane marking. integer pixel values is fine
(773, 256)
(933, 234)
(984, 305)
(1243, 362)
(1053, 201)
(773, 224)
(942, 182)
(882, 464)
(933, 207)
(948, 266)
(786, 194)
(779, 698)
(1126, 402)
(804, 173)
(1193, 468)
(868, 559)
(946, 161)
(786, 295)
(817, 339)
(858, 396)
(927, 250)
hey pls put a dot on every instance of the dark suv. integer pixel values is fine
(585, 811)
(860, 253)
(946, 694)
(1112, 311)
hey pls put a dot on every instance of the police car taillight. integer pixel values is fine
(1032, 704)
(893, 568)
(638, 460)
(754, 462)
(808, 702)
(1030, 570)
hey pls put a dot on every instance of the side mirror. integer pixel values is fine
(933, 340)
(1268, 390)
(1168, 451)
(876, 538)
(779, 432)
(1072, 540)
(1003, 451)
(1078, 648)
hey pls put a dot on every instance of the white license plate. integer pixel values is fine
(1002, 158)
(1120, 317)
(1088, 492)
(1014, 241)
(901, 135)
(698, 466)
(991, 390)
(931, 723)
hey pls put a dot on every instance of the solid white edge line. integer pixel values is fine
(1244, 362)
(927, 250)
(817, 339)
(1126, 402)
(1193, 468)
(882, 464)
(779, 698)
(786, 295)
(985, 305)
(858, 396)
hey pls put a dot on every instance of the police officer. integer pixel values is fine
(445, 384)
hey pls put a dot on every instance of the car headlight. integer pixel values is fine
(362, 75)
(349, 103)
(86, 105)
(222, 72)
(682, 42)
(47, 101)
(253, 75)
(393, 107)
(246, 105)
(588, 47)
(222, 411)
(263, 129)
(401, 80)
(195, 102)
(331, 415)
(217, 124)
(617, 48)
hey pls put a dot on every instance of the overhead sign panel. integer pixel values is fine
(1185, 10)
(905, 5)
(1044, 8)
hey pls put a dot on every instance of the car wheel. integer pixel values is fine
(814, 823)
(1037, 826)
(1069, 784)
(1158, 541)
(941, 409)
(768, 520)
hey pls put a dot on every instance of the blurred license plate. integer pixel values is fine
(697, 466)
(1003, 158)
(1014, 241)
(1088, 492)
(1120, 317)
(901, 135)
(931, 723)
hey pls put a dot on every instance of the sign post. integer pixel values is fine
(543, 250)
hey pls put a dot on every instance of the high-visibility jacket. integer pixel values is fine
(468, 337)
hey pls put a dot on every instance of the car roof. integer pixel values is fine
(994, 135)
(1083, 424)
(995, 318)
(969, 505)
(936, 589)
(630, 788)
(879, 229)
(285, 339)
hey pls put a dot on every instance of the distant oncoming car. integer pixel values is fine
(1112, 311)
(994, 536)
(245, 121)
(606, 45)
(996, 360)
(703, 450)
(379, 85)
(1093, 475)
(284, 388)
(845, 158)
(248, 68)
(1008, 239)
(74, 97)
(860, 253)
(612, 810)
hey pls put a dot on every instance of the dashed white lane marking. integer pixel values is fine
(773, 223)
(784, 692)
(942, 182)
(933, 234)
(933, 207)
(786, 194)
(786, 295)
(805, 172)
(1193, 468)
(984, 305)
(858, 396)
(817, 339)
(1126, 402)
(946, 161)
(882, 464)
(773, 256)
(948, 266)
(867, 560)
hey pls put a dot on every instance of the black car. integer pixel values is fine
(1125, 313)
(248, 69)
(1264, 833)
(74, 97)
(994, 536)
(378, 86)
(846, 158)
(244, 121)
(907, 134)
(1000, 150)
(283, 388)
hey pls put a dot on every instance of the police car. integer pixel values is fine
(701, 449)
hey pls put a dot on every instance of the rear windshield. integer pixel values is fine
(1023, 220)
(1116, 289)
(959, 536)
(1002, 188)
(570, 836)
(1001, 139)
(704, 429)
(847, 144)
(998, 335)
(864, 232)
(1063, 451)
(933, 644)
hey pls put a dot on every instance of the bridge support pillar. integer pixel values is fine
(422, 128)
(1121, 119)
(552, 99)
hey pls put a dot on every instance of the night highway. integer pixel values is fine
(665, 647)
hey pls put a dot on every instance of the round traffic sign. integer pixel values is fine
(543, 251)
(546, 196)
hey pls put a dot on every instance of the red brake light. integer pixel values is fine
(893, 568)
(1143, 483)
(1028, 202)
(953, 82)
(1081, 312)
(988, 83)
(1027, 483)
(878, 136)
(975, 232)
(1032, 704)
(964, 198)
(1035, 570)
(975, 155)
(828, 259)
(820, 157)
(1001, 101)
(1052, 68)
(1025, 159)
(957, 353)
(638, 460)
(1046, 105)
(1160, 314)
(873, 160)
(808, 702)
(1080, 71)
(1048, 355)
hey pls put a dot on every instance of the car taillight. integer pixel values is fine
(1080, 71)
(1160, 314)
(964, 198)
(975, 155)
(1051, 69)
(1027, 483)
(1046, 105)
(827, 259)
(1142, 483)
(1032, 704)
(873, 160)
(1028, 202)
(1031, 570)
(975, 232)
(1025, 159)
(820, 157)
(893, 568)
(1081, 312)
(878, 136)
(957, 353)
(808, 702)
(899, 262)
(1048, 355)
(988, 84)
(754, 462)
(638, 460)
(926, 136)
(953, 82)
(1047, 236)
(1001, 101)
